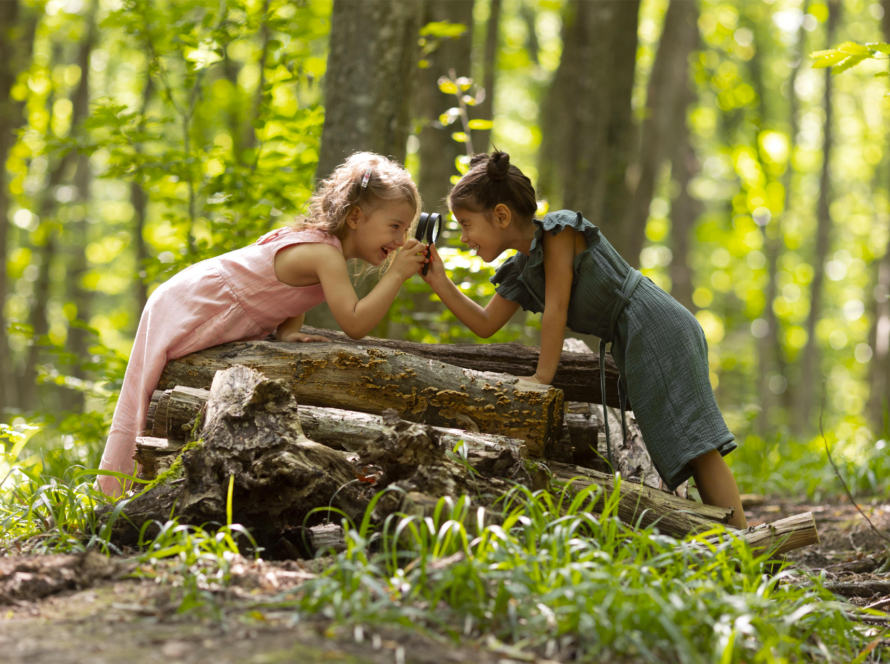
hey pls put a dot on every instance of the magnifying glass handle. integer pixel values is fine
(426, 267)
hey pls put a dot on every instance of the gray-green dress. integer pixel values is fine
(658, 345)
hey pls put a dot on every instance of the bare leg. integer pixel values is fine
(716, 485)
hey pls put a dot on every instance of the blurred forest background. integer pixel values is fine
(141, 137)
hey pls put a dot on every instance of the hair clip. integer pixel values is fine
(365, 178)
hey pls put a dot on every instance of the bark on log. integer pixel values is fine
(784, 535)
(643, 506)
(335, 428)
(371, 380)
(252, 434)
(578, 375)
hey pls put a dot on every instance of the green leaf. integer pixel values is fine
(852, 48)
(460, 137)
(447, 86)
(829, 60)
(480, 124)
(849, 63)
(443, 30)
(880, 47)
(882, 74)
(825, 53)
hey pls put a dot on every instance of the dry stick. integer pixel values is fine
(838, 472)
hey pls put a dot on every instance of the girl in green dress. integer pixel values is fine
(565, 268)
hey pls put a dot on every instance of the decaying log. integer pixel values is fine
(643, 505)
(371, 380)
(784, 535)
(578, 375)
(338, 429)
(251, 434)
(868, 588)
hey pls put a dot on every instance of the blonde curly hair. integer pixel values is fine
(336, 196)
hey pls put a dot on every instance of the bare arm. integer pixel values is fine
(559, 255)
(482, 321)
(358, 317)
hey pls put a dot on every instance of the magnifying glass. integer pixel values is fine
(428, 229)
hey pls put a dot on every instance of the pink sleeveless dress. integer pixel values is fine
(232, 297)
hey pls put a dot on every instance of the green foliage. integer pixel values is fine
(553, 578)
(848, 55)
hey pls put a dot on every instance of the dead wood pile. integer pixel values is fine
(291, 463)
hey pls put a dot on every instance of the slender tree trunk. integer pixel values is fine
(482, 140)
(139, 201)
(373, 55)
(16, 39)
(78, 341)
(438, 150)
(588, 114)
(879, 405)
(772, 361)
(684, 211)
(810, 357)
(666, 102)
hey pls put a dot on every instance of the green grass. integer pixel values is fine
(551, 578)
(556, 579)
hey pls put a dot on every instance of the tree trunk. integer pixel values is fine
(371, 63)
(588, 123)
(78, 342)
(879, 396)
(438, 150)
(666, 101)
(372, 380)
(810, 357)
(577, 376)
(684, 212)
(482, 139)
(373, 55)
(16, 39)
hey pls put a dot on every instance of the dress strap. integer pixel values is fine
(622, 297)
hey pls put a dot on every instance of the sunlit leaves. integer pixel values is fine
(848, 55)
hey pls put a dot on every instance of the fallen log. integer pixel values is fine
(338, 429)
(578, 375)
(371, 380)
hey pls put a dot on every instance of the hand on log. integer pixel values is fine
(371, 380)
(578, 375)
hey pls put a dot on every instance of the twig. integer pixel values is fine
(838, 472)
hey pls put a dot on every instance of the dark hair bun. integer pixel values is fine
(498, 166)
(478, 158)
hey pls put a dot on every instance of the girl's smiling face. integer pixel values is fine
(481, 234)
(380, 232)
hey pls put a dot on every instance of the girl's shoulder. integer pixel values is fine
(554, 222)
(293, 235)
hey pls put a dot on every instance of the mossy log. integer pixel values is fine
(578, 375)
(371, 380)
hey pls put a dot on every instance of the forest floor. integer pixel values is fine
(70, 608)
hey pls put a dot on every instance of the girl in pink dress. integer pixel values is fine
(362, 211)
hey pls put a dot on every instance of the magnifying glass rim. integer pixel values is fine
(429, 226)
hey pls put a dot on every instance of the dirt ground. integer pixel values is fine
(67, 609)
